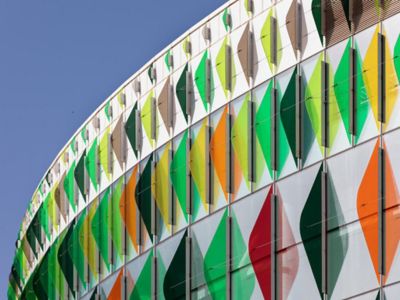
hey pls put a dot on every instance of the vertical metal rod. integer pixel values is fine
(188, 268)
(154, 278)
(325, 103)
(189, 93)
(208, 80)
(299, 122)
(250, 55)
(274, 111)
(381, 210)
(208, 166)
(251, 141)
(273, 41)
(352, 83)
(381, 78)
(153, 113)
(324, 231)
(228, 257)
(228, 67)
(188, 175)
(229, 169)
(273, 250)
(153, 196)
(171, 198)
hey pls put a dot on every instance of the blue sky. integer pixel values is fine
(58, 61)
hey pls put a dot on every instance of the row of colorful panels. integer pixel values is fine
(367, 91)
(95, 163)
(113, 230)
(236, 34)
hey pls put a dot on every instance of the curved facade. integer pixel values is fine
(256, 157)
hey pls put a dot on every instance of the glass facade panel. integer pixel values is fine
(240, 125)
(286, 122)
(218, 155)
(209, 257)
(198, 135)
(178, 177)
(262, 128)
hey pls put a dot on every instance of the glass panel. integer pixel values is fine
(138, 273)
(251, 245)
(392, 71)
(262, 123)
(286, 122)
(143, 201)
(349, 257)
(117, 226)
(348, 174)
(199, 74)
(240, 146)
(366, 82)
(130, 213)
(311, 78)
(218, 156)
(101, 224)
(295, 277)
(209, 257)
(111, 288)
(161, 191)
(171, 268)
(178, 176)
(391, 143)
(338, 57)
(392, 292)
(299, 234)
(198, 169)
(88, 239)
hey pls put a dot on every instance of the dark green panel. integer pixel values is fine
(79, 174)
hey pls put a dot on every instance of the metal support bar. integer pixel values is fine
(188, 268)
(299, 113)
(138, 133)
(274, 111)
(323, 18)
(154, 278)
(153, 200)
(352, 83)
(273, 250)
(381, 210)
(124, 287)
(228, 68)
(171, 198)
(188, 175)
(208, 80)
(228, 257)
(250, 55)
(153, 118)
(325, 104)
(208, 166)
(251, 140)
(139, 215)
(229, 158)
(189, 93)
(381, 78)
(298, 26)
(273, 41)
(124, 149)
(324, 231)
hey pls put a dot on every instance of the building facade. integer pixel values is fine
(256, 157)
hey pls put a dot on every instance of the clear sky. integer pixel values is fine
(59, 60)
